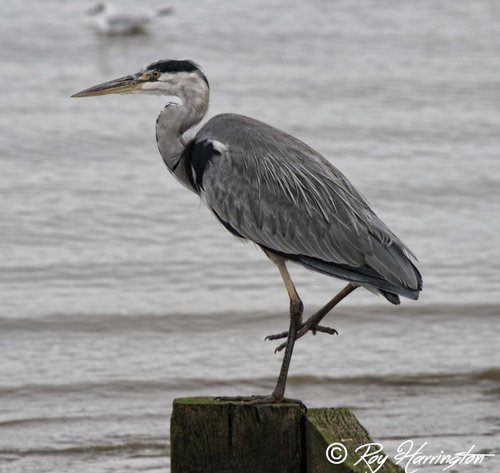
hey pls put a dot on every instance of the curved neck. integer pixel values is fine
(176, 118)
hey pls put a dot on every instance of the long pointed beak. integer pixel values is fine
(118, 86)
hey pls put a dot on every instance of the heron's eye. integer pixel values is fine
(155, 74)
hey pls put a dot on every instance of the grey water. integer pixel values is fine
(120, 292)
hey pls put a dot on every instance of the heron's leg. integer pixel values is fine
(312, 323)
(296, 309)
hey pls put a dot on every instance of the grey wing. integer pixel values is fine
(274, 190)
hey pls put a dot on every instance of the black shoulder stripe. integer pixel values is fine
(185, 162)
(202, 153)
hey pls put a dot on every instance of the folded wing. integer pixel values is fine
(270, 188)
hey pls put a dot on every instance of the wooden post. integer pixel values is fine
(211, 436)
(327, 426)
(214, 436)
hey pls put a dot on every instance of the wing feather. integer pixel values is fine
(279, 193)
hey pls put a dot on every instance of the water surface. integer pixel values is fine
(119, 291)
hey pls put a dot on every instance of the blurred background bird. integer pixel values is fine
(109, 20)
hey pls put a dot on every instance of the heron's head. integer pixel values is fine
(165, 77)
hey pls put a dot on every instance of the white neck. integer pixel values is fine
(175, 119)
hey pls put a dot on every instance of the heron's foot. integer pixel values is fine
(307, 326)
(314, 330)
(260, 399)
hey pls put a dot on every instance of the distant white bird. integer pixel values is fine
(108, 20)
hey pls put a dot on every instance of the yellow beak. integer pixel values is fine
(118, 86)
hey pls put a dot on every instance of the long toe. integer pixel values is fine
(258, 399)
(277, 336)
(302, 331)
(238, 398)
(322, 329)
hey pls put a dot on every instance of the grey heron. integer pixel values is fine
(110, 21)
(268, 187)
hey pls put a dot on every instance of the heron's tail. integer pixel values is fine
(366, 276)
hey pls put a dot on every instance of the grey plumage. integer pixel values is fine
(278, 192)
(268, 187)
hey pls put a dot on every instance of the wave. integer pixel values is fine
(128, 386)
(151, 448)
(186, 321)
(46, 420)
(117, 387)
(442, 379)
